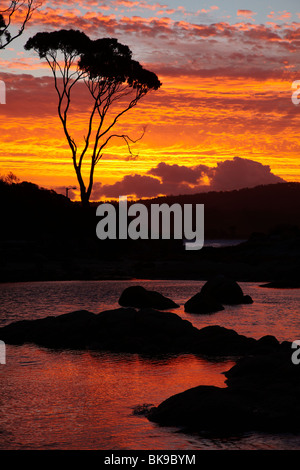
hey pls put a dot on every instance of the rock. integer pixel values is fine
(266, 344)
(205, 409)
(247, 299)
(139, 297)
(122, 330)
(70, 330)
(217, 340)
(225, 291)
(144, 331)
(199, 303)
(288, 284)
(269, 372)
(262, 394)
(215, 292)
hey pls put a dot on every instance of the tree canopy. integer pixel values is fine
(104, 60)
(111, 76)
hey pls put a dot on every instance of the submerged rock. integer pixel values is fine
(139, 297)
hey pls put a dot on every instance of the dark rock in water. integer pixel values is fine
(139, 297)
(217, 340)
(266, 344)
(262, 394)
(215, 292)
(247, 299)
(199, 303)
(123, 329)
(225, 290)
(204, 409)
(145, 331)
(288, 284)
(271, 372)
(69, 330)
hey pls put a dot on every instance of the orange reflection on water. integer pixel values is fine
(84, 400)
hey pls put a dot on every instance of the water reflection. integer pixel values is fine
(85, 400)
(274, 311)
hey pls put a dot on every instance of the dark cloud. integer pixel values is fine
(241, 173)
(178, 174)
(136, 185)
(175, 179)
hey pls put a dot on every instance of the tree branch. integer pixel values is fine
(126, 138)
(10, 11)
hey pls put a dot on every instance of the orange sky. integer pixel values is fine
(226, 93)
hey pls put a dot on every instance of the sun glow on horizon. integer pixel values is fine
(215, 104)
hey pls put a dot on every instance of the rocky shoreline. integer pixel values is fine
(262, 394)
(140, 325)
(261, 259)
(262, 388)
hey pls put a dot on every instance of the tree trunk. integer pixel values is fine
(85, 200)
(84, 195)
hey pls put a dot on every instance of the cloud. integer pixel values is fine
(181, 46)
(178, 174)
(280, 15)
(167, 179)
(241, 173)
(246, 13)
(136, 185)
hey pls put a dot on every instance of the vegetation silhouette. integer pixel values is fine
(111, 76)
(7, 16)
(45, 236)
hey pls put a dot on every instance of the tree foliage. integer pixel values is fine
(111, 76)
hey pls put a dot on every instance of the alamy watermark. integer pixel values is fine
(2, 352)
(2, 92)
(296, 355)
(296, 92)
(188, 225)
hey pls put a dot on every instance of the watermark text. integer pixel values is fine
(2, 352)
(159, 221)
(296, 92)
(296, 355)
(2, 92)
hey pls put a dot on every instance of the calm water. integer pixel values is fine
(85, 400)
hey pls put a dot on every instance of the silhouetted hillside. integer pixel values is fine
(45, 236)
(32, 213)
(237, 214)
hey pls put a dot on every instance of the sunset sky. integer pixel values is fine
(223, 118)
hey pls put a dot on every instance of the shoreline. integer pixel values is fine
(261, 259)
(262, 366)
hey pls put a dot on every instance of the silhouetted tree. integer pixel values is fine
(10, 178)
(110, 74)
(6, 17)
